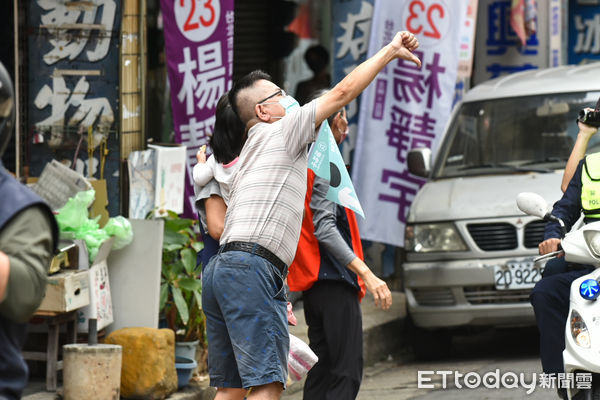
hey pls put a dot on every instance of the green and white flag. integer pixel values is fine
(327, 163)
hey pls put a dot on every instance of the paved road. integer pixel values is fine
(505, 351)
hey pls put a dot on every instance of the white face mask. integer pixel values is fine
(288, 103)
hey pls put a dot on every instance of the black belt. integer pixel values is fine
(254, 248)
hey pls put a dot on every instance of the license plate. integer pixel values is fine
(521, 274)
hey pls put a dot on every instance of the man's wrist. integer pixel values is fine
(587, 134)
(389, 53)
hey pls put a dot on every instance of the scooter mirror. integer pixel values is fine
(532, 204)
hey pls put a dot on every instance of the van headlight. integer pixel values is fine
(426, 238)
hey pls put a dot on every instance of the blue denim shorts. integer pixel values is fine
(244, 300)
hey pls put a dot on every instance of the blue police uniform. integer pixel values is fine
(550, 296)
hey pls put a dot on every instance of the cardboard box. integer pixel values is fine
(66, 291)
(67, 258)
(100, 305)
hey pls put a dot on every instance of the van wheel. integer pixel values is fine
(428, 344)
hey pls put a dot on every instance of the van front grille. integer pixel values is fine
(434, 296)
(534, 234)
(489, 295)
(494, 236)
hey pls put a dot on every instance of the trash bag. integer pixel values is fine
(74, 214)
(74, 223)
(120, 228)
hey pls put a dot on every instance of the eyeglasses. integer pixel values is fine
(279, 91)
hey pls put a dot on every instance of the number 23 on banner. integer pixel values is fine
(197, 19)
(429, 19)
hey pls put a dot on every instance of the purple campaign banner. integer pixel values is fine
(404, 108)
(199, 50)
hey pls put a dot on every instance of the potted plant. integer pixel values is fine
(181, 285)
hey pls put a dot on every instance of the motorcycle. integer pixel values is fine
(582, 330)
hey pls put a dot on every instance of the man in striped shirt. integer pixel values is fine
(243, 295)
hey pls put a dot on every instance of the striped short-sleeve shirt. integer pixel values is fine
(267, 191)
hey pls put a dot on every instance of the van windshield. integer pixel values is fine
(513, 135)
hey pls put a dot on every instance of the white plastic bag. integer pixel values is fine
(300, 359)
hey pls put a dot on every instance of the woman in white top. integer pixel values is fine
(226, 146)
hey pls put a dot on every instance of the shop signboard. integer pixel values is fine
(498, 49)
(584, 31)
(73, 85)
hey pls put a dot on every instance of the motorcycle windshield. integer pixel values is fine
(513, 135)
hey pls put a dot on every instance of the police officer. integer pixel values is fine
(28, 238)
(550, 296)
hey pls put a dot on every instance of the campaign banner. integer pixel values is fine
(351, 30)
(584, 26)
(405, 107)
(326, 161)
(199, 50)
(73, 88)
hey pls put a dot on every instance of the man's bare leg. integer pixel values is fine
(230, 394)
(270, 391)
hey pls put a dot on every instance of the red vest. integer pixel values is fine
(304, 271)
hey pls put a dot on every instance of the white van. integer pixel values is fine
(469, 249)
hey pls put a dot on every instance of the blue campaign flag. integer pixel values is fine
(326, 161)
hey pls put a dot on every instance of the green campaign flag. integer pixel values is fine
(327, 162)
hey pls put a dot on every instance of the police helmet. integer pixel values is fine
(7, 108)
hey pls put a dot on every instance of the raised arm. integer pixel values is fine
(402, 46)
(579, 149)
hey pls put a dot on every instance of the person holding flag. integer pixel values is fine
(243, 292)
(330, 272)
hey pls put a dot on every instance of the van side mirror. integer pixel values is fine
(419, 162)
